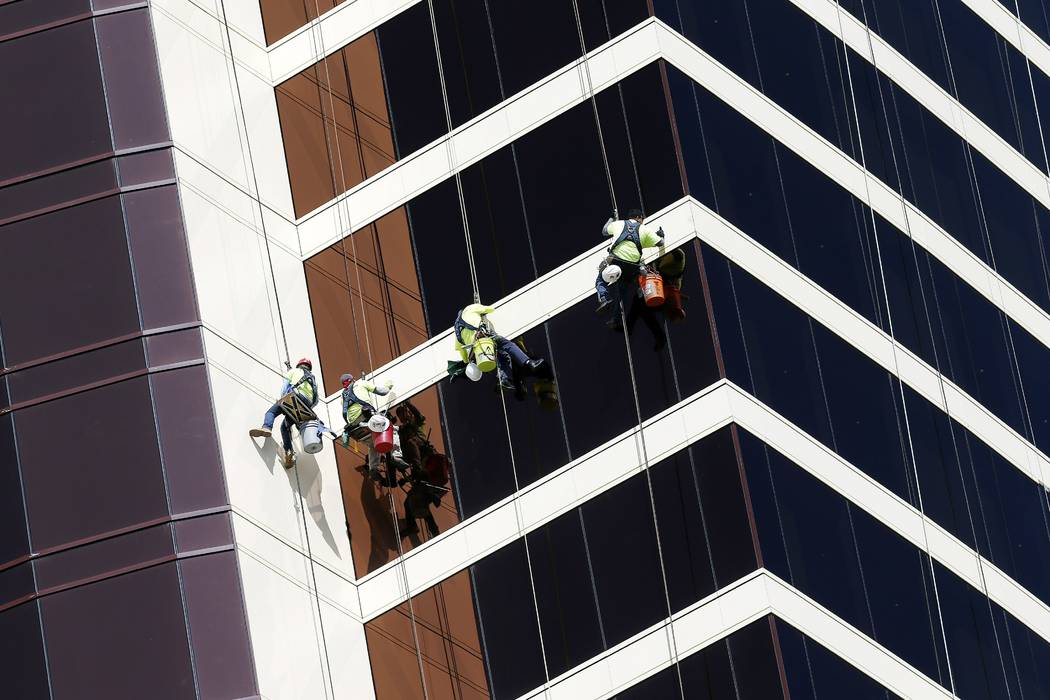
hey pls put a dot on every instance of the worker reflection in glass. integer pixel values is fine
(358, 407)
(301, 381)
(478, 344)
(426, 475)
(618, 272)
(671, 267)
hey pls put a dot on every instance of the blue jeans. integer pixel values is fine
(286, 426)
(622, 287)
(508, 356)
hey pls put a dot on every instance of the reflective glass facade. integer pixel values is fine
(823, 475)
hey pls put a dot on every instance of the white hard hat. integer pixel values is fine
(611, 273)
(473, 372)
(378, 423)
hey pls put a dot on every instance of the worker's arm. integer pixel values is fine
(650, 237)
(611, 229)
(480, 309)
(286, 387)
(382, 389)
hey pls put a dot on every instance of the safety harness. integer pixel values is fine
(308, 378)
(631, 232)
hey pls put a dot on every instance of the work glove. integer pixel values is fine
(388, 383)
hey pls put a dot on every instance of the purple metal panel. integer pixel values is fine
(177, 346)
(124, 637)
(22, 664)
(59, 117)
(129, 63)
(90, 464)
(75, 262)
(187, 437)
(218, 629)
(205, 532)
(162, 266)
(99, 559)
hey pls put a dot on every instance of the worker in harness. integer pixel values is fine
(618, 272)
(358, 407)
(471, 328)
(301, 381)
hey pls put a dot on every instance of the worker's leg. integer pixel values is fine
(373, 456)
(286, 434)
(267, 426)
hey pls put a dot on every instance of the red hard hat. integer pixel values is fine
(305, 361)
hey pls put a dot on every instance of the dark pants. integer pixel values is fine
(286, 425)
(649, 318)
(510, 358)
(623, 287)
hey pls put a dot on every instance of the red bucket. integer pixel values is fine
(384, 441)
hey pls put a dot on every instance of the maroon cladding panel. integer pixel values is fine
(75, 261)
(205, 532)
(60, 116)
(14, 539)
(90, 463)
(22, 664)
(27, 15)
(16, 584)
(103, 557)
(177, 346)
(129, 63)
(145, 166)
(187, 436)
(124, 637)
(41, 194)
(218, 628)
(77, 371)
(162, 265)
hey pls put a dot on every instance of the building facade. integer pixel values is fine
(828, 480)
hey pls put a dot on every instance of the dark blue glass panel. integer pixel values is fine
(844, 558)
(814, 673)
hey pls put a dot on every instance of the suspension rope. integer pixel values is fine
(342, 203)
(451, 149)
(255, 182)
(594, 107)
(672, 642)
(886, 301)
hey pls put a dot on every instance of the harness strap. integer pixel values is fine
(631, 232)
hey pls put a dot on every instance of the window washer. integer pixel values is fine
(472, 326)
(618, 272)
(358, 407)
(671, 267)
(301, 381)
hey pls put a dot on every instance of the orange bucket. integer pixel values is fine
(652, 286)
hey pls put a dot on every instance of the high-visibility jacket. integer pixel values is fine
(358, 398)
(639, 236)
(466, 327)
(303, 383)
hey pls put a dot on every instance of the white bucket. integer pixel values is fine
(311, 434)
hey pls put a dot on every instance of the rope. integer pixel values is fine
(255, 182)
(453, 161)
(340, 207)
(672, 642)
(594, 106)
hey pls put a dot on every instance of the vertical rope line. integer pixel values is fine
(594, 106)
(255, 182)
(525, 540)
(453, 160)
(343, 203)
(882, 275)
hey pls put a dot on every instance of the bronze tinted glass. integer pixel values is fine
(335, 124)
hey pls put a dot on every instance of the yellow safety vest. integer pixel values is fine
(306, 389)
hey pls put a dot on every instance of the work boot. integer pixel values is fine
(603, 305)
(536, 366)
(505, 382)
(262, 432)
(288, 460)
